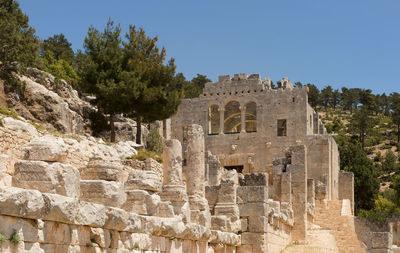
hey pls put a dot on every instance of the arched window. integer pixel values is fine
(213, 119)
(232, 120)
(251, 117)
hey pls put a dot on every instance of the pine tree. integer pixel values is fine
(101, 72)
(157, 91)
(18, 44)
(326, 96)
(60, 48)
(313, 95)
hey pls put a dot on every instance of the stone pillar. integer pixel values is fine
(298, 171)
(195, 160)
(221, 120)
(194, 174)
(173, 189)
(243, 118)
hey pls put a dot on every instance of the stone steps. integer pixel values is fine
(341, 227)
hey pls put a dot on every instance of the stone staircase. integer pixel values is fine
(342, 227)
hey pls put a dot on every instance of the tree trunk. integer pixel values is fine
(138, 130)
(112, 127)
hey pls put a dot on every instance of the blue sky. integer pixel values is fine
(353, 43)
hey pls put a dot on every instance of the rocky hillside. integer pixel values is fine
(54, 105)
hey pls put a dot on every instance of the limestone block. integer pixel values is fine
(46, 177)
(174, 193)
(91, 214)
(258, 224)
(227, 193)
(253, 209)
(247, 194)
(32, 248)
(219, 222)
(254, 179)
(152, 165)
(218, 237)
(21, 202)
(103, 192)
(212, 194)
(143, 180)
(253, 238)
(116, 219)
(126, 149)
(56, 233)
(19, 126)
(80, 235)
(381, 240)
(142, 202)
(230, 210)
(26, 229)
(47, 148)
(202, 218)
(101, 237)
(243, 224)
(165, 209)
(105, 170)
(59, 208)
(134, 223)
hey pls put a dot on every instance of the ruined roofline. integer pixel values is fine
(243, 83)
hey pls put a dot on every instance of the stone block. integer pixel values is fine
(247, 194)
(142, 202)
(253, 209)
(80, 235)
(59, 208)
(254, 179)
(144, 180)
(116, 219)
(258, 224)
(56, 233)
(103, 192)
(227, 193)
(27, 229)
(46, 177)
(91, 214)
(105, 170)
(219, 222)
(381, 240)
(212, 194)
(249, 238)
(229, 210)
(47, 148)
(20, 202)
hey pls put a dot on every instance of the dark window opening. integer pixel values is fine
(238, 168)
(281, 127)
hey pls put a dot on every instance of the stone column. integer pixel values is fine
(221, 120)
(194, 174)
(195, 160)
(243, 118)
(173, 189)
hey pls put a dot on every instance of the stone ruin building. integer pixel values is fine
(246, 169)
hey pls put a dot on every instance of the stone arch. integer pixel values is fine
(213, 119)
(251, 117)
(232, 117)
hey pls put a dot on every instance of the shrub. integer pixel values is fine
(3, 238)
(143, 154)
(386, 146)
(154, 141)
(383, 209)
(14, 238)
(9, 112)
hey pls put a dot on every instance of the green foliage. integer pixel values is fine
(386, 146)
(61, 69)
(366, 185)
(98, 123)
(313, 95)
(382, 210)
(59, 47)
(361, 124)
(195, 87)
(9, 112)
(18, 44)
(3, 238)
(143, 154)
(14, 238)
(389, 163)
(154, 141)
